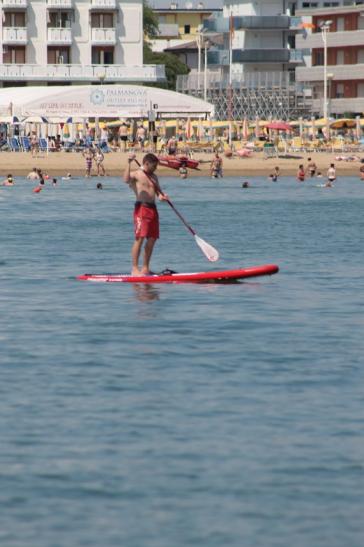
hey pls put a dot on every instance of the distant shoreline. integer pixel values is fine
(59, 163)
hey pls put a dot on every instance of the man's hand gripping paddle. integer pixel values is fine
(208, 250)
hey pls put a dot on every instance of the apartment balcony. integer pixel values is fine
(103, 5)
(220, 25)
(168, 31)
(103, 36)
(82, 73)
(15, 4)
(17, 36)
(336, 72)
(60, 4)
(340, 106)
(334, 39)
(59, 36)
(221, 57)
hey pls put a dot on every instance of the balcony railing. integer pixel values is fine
(103, 36)
(168, 31)
(221, 57)
(220, 25)
(337, 72)
(66, 4)
(340, 106)
(249, 80)
(60, 36)
(334, 39)
(83, 73)
(15, 35)
(296, 55)
(15, 4)
(265, 22)
(103, 4)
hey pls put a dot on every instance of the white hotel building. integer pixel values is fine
(60, 42)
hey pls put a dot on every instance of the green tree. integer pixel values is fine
(150, 21)
(173, 65)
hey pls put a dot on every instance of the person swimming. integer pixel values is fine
(9, 181)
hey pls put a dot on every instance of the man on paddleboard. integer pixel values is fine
(146, 187)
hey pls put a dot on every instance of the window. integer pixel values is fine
(14, 19)
(103, 56)
(360, 59)
(339, 91)
(187, 29)
(340, 24)
(14, 55)
(58, 56)
(319, 58)
(102, 20)
(59, 19)
(340, 57)
(331, 4)
(309, 5)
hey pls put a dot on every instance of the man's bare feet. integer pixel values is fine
(146, 272)
(136, 273)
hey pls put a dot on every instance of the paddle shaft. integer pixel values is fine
(169, 202)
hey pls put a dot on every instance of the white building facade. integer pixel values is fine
(73, 42)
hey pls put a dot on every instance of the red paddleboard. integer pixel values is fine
(224, 276)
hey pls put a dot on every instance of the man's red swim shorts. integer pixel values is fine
(146, 220)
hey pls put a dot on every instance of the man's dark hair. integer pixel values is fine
(150, 158)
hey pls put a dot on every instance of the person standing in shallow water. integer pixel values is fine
(301, 173)
(145, 185)
(88, 154)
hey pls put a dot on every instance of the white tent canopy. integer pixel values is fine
(107, 101)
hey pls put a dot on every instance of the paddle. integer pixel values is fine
(208, 250)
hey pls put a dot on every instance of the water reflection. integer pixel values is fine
(145, 292)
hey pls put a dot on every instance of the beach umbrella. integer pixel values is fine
(343, 123)
(35, 119)
(201, 131)
(245, 130)
(188, 129)
(313, 128)
(257, 128)
(357, 127)
(279, 126)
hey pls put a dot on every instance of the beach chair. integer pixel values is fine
(43, 145)
(25, 144)
(14, 144)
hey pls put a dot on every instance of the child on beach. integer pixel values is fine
(146, 187)
(99, 159)
(88, 154)
(301, 173)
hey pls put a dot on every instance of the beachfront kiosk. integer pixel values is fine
(103, 101)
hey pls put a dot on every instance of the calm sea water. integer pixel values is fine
(178, 415)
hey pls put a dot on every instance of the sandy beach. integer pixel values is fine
(59, 163)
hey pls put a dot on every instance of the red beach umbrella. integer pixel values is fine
(279, 126)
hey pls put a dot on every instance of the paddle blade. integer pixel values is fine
(208, 250)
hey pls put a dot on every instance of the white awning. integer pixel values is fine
(106, 101)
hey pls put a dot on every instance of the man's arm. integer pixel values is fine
(129, 176)
(161, 195)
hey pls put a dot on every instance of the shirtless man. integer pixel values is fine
(140, 135)
(146, 187)
(123, 134)
(216, 166)
(331, 175)
(33, 175)
(311, 167)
